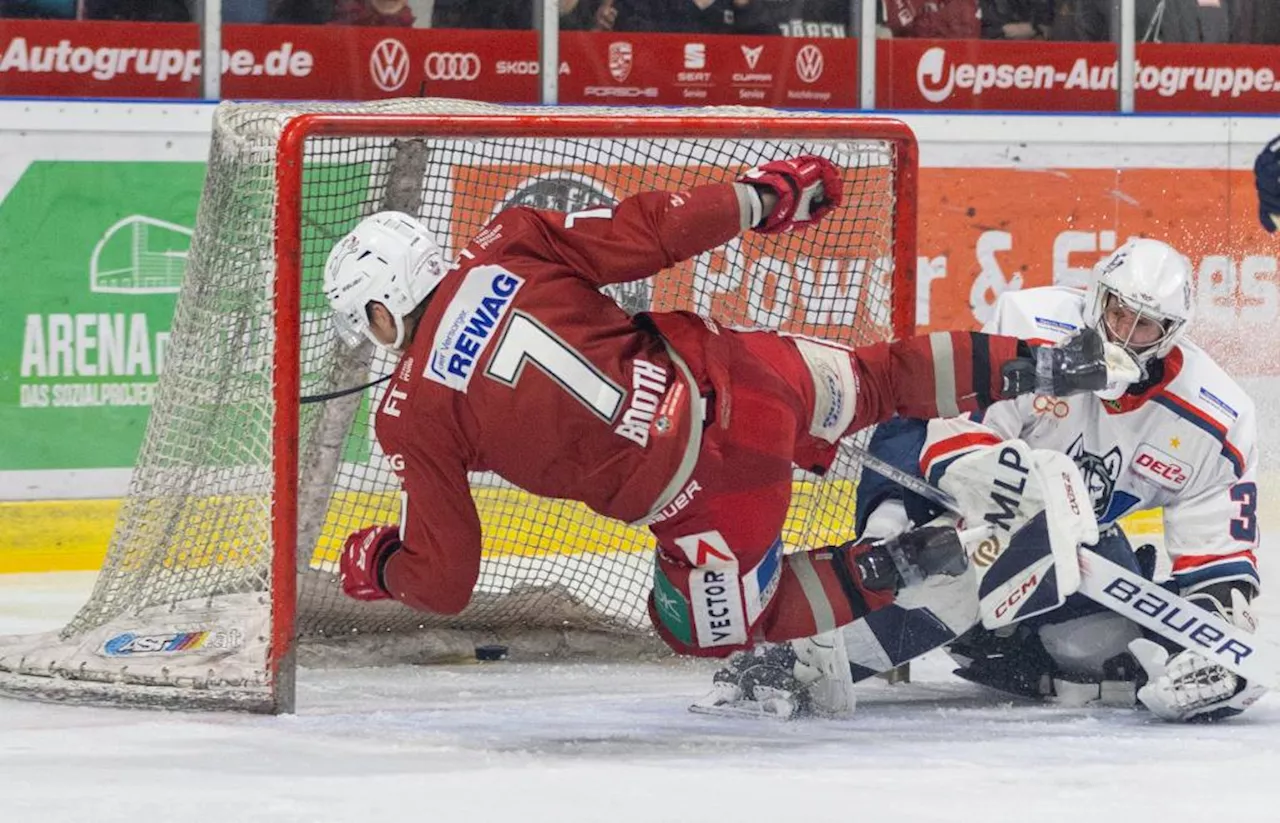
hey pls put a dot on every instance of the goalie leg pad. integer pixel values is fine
(1036, 505)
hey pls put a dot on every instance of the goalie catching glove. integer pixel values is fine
(1189, 687)
(806, 188)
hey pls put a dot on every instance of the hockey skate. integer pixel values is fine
(785, 681)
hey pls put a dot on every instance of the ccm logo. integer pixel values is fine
(1162, 468)
(1015, 597)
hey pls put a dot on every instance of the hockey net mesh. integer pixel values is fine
(197, 520)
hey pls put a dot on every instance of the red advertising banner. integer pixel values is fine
(108, 59)
(1077, 77)
(779, 72)
(105, 59)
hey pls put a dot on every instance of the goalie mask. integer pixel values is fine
(1140, 299)
(389, 258)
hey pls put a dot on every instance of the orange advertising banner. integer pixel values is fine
(987, 230)
(982, 231)
(829, 282)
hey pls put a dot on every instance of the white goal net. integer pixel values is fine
(226, 546)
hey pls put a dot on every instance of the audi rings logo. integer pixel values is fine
(1044, 404)
(934, 78)
(809, 63)
(389, 64)
(452, 65)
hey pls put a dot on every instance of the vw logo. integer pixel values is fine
(452, 66)
(809, 63)
(389, 64)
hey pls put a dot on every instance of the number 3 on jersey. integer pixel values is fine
(525, 340)
(1245, 527)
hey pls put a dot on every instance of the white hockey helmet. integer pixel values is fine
(1148, 282)
(389, 258)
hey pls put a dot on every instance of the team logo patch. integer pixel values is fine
(1161, 468)
(469, 324)
(1100, 473)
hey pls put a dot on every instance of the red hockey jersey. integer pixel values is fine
(522, 367)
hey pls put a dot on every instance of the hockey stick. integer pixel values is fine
(334, 395)
(1130, 594)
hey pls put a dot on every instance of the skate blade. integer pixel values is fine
(748, 710)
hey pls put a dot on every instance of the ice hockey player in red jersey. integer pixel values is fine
(514, 362)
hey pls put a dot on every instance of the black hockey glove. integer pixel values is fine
(1077, 364)
(911, 557)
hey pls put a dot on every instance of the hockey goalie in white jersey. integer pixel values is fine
(1181, 438)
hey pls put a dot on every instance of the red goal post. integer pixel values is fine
(242, 494)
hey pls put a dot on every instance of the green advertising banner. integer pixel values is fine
(91, 257)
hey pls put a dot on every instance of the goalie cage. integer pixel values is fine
(222, 563)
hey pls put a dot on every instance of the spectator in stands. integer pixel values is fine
(39, 9)
(698, 16)
(946, 19)
(1255, 21)
(1158, 21)
(794, 18)
(1187, 21)
(152, 11)
(580, 15)
(372, 13)
(1016, 19)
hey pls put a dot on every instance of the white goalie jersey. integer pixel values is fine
(1187, 444)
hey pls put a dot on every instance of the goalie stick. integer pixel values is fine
(1146, 603)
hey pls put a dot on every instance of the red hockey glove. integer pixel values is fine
(807, 188)
(363, 557)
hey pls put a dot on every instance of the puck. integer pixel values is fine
(494, 652)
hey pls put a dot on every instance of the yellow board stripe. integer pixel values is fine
(72, 535)
(55, 535)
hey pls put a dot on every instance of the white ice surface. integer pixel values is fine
(614, 743)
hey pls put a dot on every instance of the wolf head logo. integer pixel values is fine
(1100, 473)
